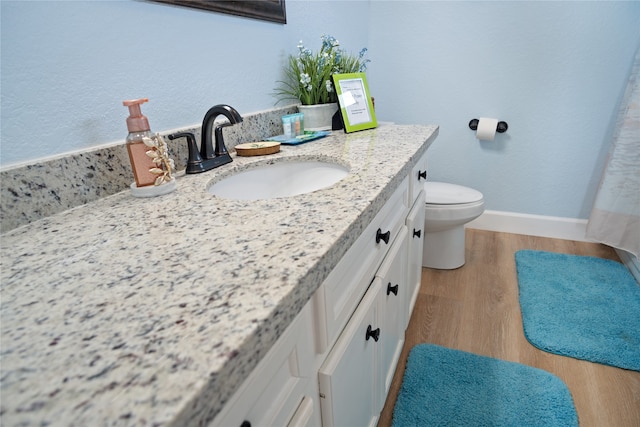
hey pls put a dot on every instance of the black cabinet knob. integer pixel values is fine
(422, 175)
(383, 236)
(417, 233)
(373, 333)
(392, 289)
(245, 423)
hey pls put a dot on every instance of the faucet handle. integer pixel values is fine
(221, 148)
(194, 164)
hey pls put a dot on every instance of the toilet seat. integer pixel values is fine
(443, 193)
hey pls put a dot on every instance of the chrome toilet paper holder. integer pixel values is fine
(500, 128)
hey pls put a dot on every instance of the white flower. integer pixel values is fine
(305, 80)
(329, 86)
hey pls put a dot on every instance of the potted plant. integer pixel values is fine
(308, 79)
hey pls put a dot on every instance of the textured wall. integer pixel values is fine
(555, 71)
(67, 66)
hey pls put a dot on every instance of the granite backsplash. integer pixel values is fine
(40, 189)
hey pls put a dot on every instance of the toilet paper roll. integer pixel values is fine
(486, 128)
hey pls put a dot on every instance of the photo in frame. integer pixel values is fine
(356, 105)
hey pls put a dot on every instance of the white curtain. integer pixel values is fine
(615, 218)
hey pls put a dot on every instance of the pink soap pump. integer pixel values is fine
(148, 155)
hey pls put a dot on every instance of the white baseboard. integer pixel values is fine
(545, 226)
(631, 262)
(532, 225)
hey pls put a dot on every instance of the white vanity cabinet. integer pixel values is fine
(356, 374)
(355, 377)
(335, 363)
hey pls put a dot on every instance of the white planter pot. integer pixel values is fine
(318, 117)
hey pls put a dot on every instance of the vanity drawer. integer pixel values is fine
(338, 296)
(418, 177)
(282, 389)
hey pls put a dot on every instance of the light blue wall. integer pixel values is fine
(554, 71)
(67, 66)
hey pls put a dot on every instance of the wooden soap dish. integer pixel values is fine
(261, 148)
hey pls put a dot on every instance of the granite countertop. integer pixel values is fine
(130, 311)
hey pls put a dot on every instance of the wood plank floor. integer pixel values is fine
(475, 308)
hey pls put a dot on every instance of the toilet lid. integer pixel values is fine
(442, 193)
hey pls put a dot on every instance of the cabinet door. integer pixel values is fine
(392, 311)
(281, 389)
(415, 227)
(347, 378)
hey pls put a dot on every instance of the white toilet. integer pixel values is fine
(448, 208)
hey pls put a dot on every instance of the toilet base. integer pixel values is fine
(444, 249)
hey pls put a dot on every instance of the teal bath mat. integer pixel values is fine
(445, 387)
(578, 306)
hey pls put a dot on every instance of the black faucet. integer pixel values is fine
(209, 158)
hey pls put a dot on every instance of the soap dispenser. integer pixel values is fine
(148, 155)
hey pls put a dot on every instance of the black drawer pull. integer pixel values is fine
(417, 233)
(373, 333)
(391, 289)
(383, 236)
(422, 175)
(245, 424)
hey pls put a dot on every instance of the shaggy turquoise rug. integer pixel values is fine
(445, 387)
(583, 307)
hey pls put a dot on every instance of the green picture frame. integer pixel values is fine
(356, 105)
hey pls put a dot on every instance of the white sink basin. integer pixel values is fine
(282, 179)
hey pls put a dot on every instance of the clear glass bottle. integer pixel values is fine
(138, 126)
